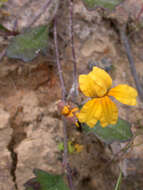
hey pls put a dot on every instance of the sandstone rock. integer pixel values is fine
(31, 109)
(25, 11)
(128, 9)
(39, 148)
(6, 181)
(6, 69)
(82, 30)
(89, 16)
(4, 118)
(97, 44)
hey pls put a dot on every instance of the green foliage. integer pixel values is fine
(27, 46)
(46, 181)
(71, 147)
(2, 2)
(108, 4)
(120, 132)
(61, 146)
(30, 188)
(119, 181)
(3, 28)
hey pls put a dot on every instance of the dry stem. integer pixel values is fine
(65, 158)
(127, 47)
(71, 33)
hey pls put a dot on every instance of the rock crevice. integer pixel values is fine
(14, 161)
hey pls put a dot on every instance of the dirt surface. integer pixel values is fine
(31, 127)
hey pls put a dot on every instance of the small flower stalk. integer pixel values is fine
(69, 111)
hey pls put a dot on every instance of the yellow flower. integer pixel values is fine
(68, 111)
(96, 85)
(78, 147)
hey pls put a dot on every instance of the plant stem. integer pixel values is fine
(65, 157)
(60, 72)
(2, 54)
(127, 47)
(39, 13)
(119, 181)
(71, 32)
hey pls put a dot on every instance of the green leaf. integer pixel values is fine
(2, 2)
(61, 146)
(71, 147)
(46, 181)
(3, 28)
(27, 46)
(30, 188)
(120, 132)
(117, 187)
(107, 4)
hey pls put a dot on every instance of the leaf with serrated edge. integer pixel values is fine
(27, 46)
(120, 132)
(47, 181)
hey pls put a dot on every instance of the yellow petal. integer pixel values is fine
(102, 79)
(65, 110)
(125, 94)
(96, 83)
(87, 86)
(77, 124)
(73, 112)
(109, 112)
(90, 112)
(78, 147)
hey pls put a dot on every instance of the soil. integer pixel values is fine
(31, 126)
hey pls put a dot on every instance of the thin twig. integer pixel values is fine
(140, 13)
(65, 158)
(58, 62)
(38, 14)
(73, 48)
(19, 12)
(131, 60)
(2, 54)
(65, 161)
(117, 156)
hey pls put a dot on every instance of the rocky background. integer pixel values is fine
(31, 127)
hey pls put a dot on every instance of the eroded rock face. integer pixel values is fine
(25, 11)
(98, 44)
(6, 180)
(128, 9)
(37, 129)
(39, 148)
